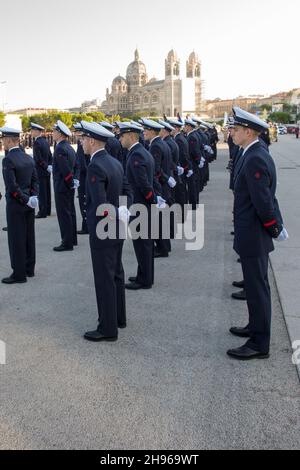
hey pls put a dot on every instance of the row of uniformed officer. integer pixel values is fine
(21, 186)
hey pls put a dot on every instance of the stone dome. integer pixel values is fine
(119, 81)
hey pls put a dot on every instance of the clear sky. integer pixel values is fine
(60, 53)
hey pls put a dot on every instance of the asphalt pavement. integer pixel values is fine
(167, 383)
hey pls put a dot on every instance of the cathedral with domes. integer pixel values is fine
(179, 92)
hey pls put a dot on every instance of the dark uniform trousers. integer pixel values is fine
(109, 284)
(45, 195)
(144, 252)
(66, 216)
(82, 205)
(21, 239)
(258, 293)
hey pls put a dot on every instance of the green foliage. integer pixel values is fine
(2, 119)
(266, 107)
(280, 117)
(96, 116)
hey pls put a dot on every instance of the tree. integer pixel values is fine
(281, 117)
(96, 116)
(266, 107)
(2, 119)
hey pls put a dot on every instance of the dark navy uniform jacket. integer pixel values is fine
(105, 184)
(42, 156)
(184, 157)
(114, 148)
(140, 175)
(163, 167)
(64, 164)
(195, 149)
(256, 210)
(20, 177)
(174, 150)
(83, 162)
(233, 148)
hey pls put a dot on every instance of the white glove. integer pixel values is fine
(161, 203)
(180, 170)
(190, 173)
(208, 149)
(33, 202)
(172, 183)
(124, 214)
(284, 236)
(202, 163)
(50, 169)
(76, 184)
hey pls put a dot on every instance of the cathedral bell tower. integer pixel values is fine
(172, 98)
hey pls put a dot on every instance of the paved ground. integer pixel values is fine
(167, 383)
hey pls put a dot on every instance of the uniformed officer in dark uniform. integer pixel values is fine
(43, 162)
(164, 181)
(195, 157)
(64, 163)
(82, 162)
(181, 190)
(140, 174)
(257, 222)
(105, 185)
(21, 185)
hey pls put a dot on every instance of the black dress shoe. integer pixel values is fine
(239, 295)
(82, 232)
(240, 285)
(4, 229)
(232, 233)
(122, 326)
(157, 254)
(132, 279)
(97, 337)
(30, 275)
(245, 354)
(136, 286)
(10, 280)
(62, 248)
(41, 216)
(241, 332)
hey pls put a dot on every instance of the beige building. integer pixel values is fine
(216, 109)
(137, 94)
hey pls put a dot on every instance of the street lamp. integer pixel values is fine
(3, 95)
